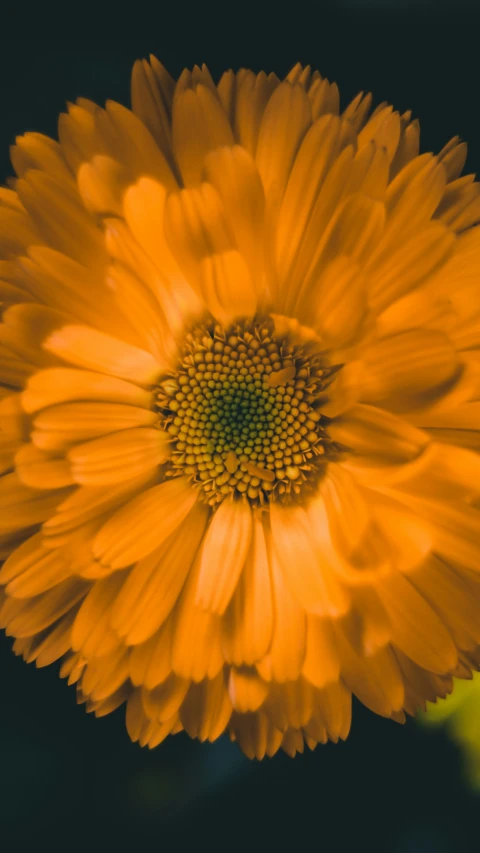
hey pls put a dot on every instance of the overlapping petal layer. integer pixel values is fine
(251, 595)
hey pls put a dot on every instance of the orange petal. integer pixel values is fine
(61, 384)
(155, 582)
(91, 633)
(199, 125)
(223, 555)
(322, 664)
(246, 689)
(296, 553)
(206, 709)
(416, 628)
(287, 652)
(57, 427)
(40, 471)
(94, 350)
(165, 699)
(135, 530)
(120, 456)
(247, 624)
(202, 656)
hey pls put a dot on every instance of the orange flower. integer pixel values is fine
(241, 408)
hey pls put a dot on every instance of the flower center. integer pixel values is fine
(242, 413)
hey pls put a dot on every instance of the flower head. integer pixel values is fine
(240, 414)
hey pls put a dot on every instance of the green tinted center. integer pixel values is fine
(241, 412)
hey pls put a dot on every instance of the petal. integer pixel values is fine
(246, 690)
(155, 582)
(24, 558)
(57, 427)
(318, 149)
(94, 350)
(199, 125)
(324, 98)
(333, 709)
(253, 93)
(165, 699)
(25, 329)
(140, 151)
(233, 173)
(196, 649)
(59, 281)
(101, 184)
(416, 628)
(453, 156)
(286, 119)
(120, 456)
(377, 435)
(376, 631)
(247, 624)
(354, 228)
(290, 705)
(206, 709)
(322, 663)
(196, 227)
(403, 266)
(32, 569)
(413, 196)
(43, 610)
(17, 231)
(105, 675)
(40, 471)
(407, 367)
(60, 217)
(255, 735)
(409, 145)
(455, 529)
(455, 601)
(61, 384)
(322, 214)
(407, 538)
(383, 127)
(89, 503)
(152, 93)
(370, 171)
(223, 555)
(150, 662)
(135, 530)
(376, 681)
(36, 151)
(287, 652)
(154, 319)
(227, 287)
(144, 211)
(91, 633)
(22, 506)
(347, 508)
(45, 649)
(294, 546)
(340, 307)
(367, 566)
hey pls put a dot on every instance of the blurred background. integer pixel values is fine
(72, 782)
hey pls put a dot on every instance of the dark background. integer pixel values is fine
(68, 781)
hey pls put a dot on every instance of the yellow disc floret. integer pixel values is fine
(242, 412)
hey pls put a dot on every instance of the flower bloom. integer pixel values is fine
(241, 408)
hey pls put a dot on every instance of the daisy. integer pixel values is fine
(240, 416)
